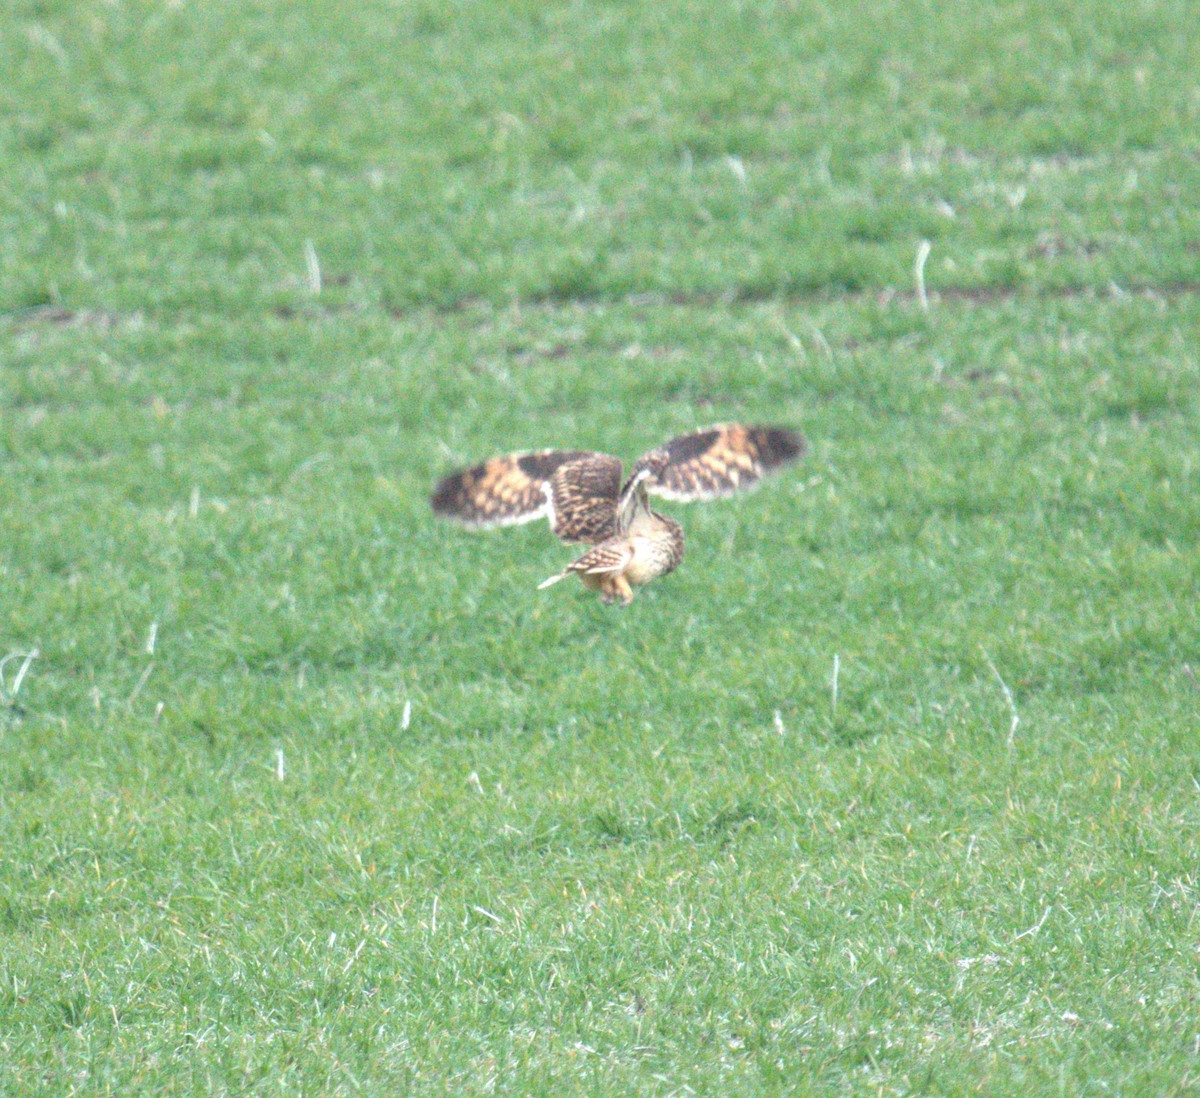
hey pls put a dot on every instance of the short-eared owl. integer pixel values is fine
(581, 493)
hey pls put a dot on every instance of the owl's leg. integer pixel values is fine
(593, 582)
(612, 588)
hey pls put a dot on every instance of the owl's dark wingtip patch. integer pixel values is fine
(779, 445)
(542, 464)
(446, 498)
(683, 449)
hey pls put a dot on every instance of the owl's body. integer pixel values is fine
(582, 495)
(652, 547)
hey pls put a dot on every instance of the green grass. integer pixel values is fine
(612, 851)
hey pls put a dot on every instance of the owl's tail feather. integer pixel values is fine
(553, 579)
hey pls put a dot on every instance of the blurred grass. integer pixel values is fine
(168, 157)
(614, 852)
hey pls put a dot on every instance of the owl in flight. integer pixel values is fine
(582, 495)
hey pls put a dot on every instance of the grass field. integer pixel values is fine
(894, 787)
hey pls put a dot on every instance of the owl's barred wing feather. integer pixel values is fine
(717, 461)
(575, 489)
(501, 491)
(610, 556)
(583, 495)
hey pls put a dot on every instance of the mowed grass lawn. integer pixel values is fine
(894, 787)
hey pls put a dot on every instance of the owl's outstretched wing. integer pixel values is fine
(575, 489)
(715, 461)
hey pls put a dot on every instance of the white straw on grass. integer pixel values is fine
(1035, 928)
(313, 265)
(346, 967)
(142, 681)
(923, 250)
(28, 658)
(1012, 705)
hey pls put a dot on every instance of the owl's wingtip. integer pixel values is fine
(780, 445)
